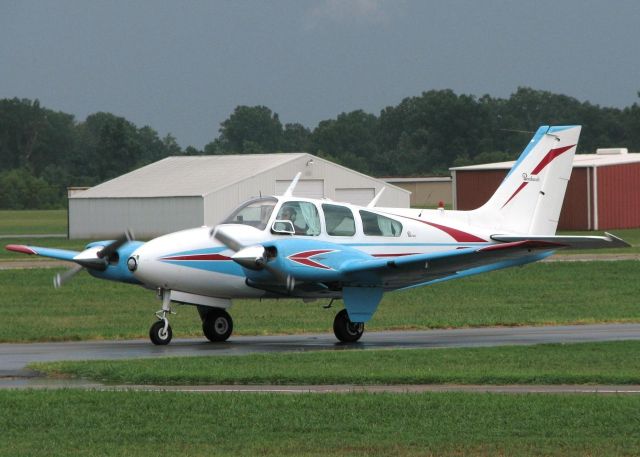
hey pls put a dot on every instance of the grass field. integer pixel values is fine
(27, 222)
(584, 363)
(64, 423)
(552, 293)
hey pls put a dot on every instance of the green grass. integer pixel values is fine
(68, 422)
(552, 293)
(584, 363)
(27, 222)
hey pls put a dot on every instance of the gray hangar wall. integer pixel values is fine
(146, 217)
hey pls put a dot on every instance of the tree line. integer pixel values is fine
(42, 151)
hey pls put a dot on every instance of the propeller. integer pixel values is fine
(93, 261)
(255, 257)
(109, 249)
(60, 278)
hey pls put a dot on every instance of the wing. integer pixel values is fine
(421, 269)
(59, 254)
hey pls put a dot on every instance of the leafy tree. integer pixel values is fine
(19, 189)
(350, 138)
(295, 138)
(250, 129)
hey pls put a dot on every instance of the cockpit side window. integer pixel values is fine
(339, 220)
(303, 215)
(377, 225)
(255, 213)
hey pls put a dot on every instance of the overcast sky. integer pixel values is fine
(183, 66)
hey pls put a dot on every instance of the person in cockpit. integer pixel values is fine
(290, 214)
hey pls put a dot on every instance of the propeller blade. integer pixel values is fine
(227, 240)
(109, 249)
(288, 280)
(60, 278)
(253, 258)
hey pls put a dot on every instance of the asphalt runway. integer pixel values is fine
(15, 357)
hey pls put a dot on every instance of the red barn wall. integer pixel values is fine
(619, 196)
(575, 208)
(475, 187)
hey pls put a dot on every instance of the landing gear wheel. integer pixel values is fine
(158, 335)
(217, 325)
(345, 330)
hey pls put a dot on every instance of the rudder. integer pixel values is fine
(530, 198)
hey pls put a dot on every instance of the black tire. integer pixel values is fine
(345, 330)
(158, 336)
(217, 325)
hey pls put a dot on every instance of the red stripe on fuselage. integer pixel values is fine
(458, 235)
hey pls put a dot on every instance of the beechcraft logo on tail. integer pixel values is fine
(533, 176)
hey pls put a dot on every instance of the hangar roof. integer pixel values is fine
(188, 176)
(579, 161)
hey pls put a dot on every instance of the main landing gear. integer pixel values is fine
(217, 324)
(345, 330)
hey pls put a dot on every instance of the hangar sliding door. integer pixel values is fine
(357, 196)
(308, 188)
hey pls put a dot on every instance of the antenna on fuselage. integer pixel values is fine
(289, 191)
(373, 202)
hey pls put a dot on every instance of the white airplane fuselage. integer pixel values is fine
(193, 261)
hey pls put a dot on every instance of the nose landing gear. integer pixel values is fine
(160, 332)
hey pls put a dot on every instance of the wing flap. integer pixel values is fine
(569, 242)
(419, 268)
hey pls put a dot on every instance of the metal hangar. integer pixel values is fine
(190, 191)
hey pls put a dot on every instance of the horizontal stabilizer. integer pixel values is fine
(568, 242)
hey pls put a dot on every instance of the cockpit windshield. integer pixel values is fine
(255, 213)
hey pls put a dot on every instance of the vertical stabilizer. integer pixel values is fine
(530, 198)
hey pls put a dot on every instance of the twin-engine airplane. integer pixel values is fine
(319, 249)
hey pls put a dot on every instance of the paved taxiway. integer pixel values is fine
(15, 357)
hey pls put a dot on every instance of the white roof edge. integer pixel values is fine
(296, 154)
(79, 195)
(383, 182)
(290, 156)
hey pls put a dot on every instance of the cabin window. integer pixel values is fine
(339, 220)
(303, 215)
(255, 213)
(377, 225)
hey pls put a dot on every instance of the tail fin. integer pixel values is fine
(530, 198)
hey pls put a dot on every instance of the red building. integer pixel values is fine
(603, 192)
